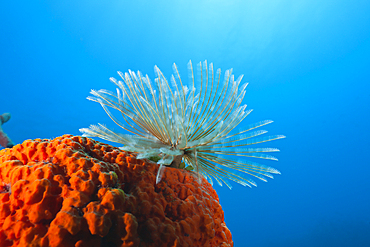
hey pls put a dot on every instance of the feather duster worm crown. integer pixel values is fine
(185, 127)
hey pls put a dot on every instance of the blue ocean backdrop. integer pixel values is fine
(308, 67)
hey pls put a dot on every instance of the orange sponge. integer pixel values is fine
(74, 191)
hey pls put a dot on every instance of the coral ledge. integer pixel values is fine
(74, 191)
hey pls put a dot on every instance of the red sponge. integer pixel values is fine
(74, 191)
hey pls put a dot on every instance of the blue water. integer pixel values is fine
(308, 67)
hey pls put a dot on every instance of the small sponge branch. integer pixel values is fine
(5, 141)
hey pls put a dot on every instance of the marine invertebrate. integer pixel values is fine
(5, 141)
(74, 191)
(172, 121)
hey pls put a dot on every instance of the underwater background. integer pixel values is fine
(307, 62)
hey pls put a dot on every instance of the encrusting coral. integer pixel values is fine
(74, 191)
